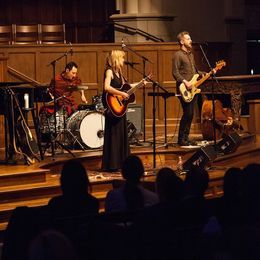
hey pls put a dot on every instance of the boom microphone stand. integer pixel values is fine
(213, 76)
(144, 59)
(54, 140)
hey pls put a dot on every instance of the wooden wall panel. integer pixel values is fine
(3, 77)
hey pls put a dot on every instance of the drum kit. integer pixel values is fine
(83, 129)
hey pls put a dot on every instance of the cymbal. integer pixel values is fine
(9, 84)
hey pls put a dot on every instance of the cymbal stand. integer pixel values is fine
(66, 131)
(54, 140)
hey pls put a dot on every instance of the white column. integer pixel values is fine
(145, 6)
(156, 6)
(131, 6)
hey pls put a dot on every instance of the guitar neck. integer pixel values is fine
(199, 82)
(133, 89)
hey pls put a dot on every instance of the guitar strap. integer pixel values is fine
(125, 79)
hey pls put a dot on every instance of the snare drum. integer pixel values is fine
(97, 102)
(88, 127)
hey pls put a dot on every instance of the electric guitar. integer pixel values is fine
(116, 104)
(188, 94)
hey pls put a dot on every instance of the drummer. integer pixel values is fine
(64, 85)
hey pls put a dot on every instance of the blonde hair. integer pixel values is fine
(181, 34)
(113, 60)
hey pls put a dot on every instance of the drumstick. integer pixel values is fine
(82, 87)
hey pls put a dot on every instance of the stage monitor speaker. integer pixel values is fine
(229, 143)
(201, 157)
(134, 114)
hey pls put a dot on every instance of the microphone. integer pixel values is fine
(131, 63)
(71, 50)
(201, 43)
(122, 43)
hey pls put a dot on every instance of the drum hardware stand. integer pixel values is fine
(144, 60)
(54, 141)
(65, 131)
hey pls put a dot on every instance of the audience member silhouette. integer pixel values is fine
(75, 199)
(229, 211)
(243, 236)
(169, 186)
(130, 196)
(52, 245)
(251, 192)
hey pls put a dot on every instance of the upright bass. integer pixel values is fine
(224, 120)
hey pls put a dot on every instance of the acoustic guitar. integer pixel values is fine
(188, 95)
(26, 142)
(116, 105)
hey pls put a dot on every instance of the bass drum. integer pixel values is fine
(88, 127)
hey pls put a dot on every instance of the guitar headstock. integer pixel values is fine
(150, 75)
(220, 64)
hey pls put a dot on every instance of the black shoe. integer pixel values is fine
(187, 143)
(192, 142)
(183, 143)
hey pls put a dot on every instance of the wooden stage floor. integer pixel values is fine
(34, 185)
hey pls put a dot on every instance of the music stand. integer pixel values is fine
(153, 94)
(164, 96)
(54, 140)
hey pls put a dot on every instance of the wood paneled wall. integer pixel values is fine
(33, 61)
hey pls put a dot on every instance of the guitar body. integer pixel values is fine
(116, 104)
(188, 95)
(27, 143)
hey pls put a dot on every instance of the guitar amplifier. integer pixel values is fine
(134, 114)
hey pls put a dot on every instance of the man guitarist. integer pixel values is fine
(183, 70)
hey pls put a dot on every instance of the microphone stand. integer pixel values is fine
(53, 139)
(144, 59)
(213, 76)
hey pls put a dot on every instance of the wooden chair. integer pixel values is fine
(6, 34)
(52, 33)
(26, 34)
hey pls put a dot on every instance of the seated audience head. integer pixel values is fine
(133, 169)
(169, 186)
(74, 179)
(232, 183)
(251, 182)
(132, 172)
(196, 181)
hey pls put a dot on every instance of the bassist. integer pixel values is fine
(183, 70)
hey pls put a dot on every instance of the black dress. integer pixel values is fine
(116, 144)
